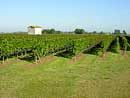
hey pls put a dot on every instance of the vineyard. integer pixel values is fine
(64, 66)
(15, 45)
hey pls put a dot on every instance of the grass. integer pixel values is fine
(89, 77)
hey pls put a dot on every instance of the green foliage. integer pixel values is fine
(124, 43)
(101, 32)
(94, 32)
(106, 42)
(116, 46)
(124, 32)
(51, 31)
(117, 32)
(79, 31)
(51, 44)
(48, 31)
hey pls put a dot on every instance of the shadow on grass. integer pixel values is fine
(94, 50)
(66, 54)
(27, 58)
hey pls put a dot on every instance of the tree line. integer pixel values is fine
(76, 31)
(82, 31)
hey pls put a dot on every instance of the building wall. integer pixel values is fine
(35, 31)
(31, 31)
(38, 31)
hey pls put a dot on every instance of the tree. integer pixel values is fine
(124, 32)
(79, 31)
(58, 32)
(52, 31)
(117, 32)
(94, 32)
(45, 31)
(101, 32)
(48, 31)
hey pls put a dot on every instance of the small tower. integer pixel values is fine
(35, 30)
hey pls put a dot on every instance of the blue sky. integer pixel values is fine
(66, 15)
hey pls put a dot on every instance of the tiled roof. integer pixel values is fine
(34, 27)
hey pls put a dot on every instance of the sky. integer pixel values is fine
(65, 15)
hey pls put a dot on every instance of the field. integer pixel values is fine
(89, 77)
(102, 70)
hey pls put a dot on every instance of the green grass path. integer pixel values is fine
(89, 77)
